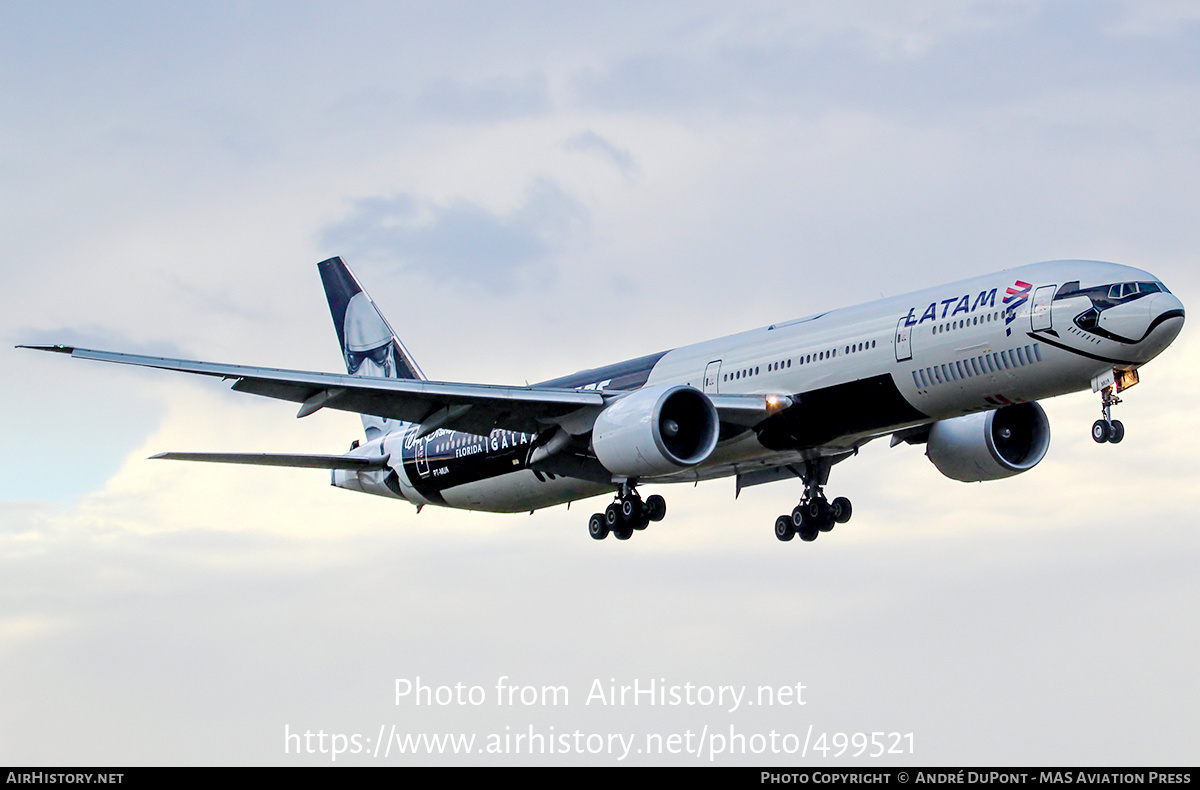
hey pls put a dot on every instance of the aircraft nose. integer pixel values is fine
(1166, 320)
(1165, 307)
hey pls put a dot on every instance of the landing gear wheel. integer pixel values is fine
(784, 529)
(629, 512)
(598, 526)
(1106, 429)
(819, 514)
(816, 514)
(656, 507)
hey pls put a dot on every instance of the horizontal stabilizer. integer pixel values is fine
(350, 462)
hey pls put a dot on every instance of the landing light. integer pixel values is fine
(777, 402)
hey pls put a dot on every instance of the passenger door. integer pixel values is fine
(712, 377)
(1040, 313)
(903, 341)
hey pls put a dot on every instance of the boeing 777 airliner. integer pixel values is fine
(959, 368)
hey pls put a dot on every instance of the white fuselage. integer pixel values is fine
(895, 363)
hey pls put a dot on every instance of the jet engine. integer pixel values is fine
(990, 445)
(656, 431)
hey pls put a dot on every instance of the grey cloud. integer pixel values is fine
(590, 142)
(447, 100)
(103, 338)
(495, 100)
(995, 61)
(461, 242)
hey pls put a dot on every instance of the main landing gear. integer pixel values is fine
(627, 513)
(1107, 429)
(815, 514)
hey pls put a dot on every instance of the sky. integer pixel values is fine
(529, 189)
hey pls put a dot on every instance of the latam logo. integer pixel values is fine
(1018, 294)
(960, 304)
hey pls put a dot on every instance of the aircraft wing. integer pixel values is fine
(352, 463)
(473, 408)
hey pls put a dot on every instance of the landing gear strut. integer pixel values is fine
(1107, 429)
(815, 514)
(627, 513)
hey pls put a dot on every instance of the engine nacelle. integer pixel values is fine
(990, 445)
(656, 431)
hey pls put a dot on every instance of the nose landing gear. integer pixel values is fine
(1107, 429)
(627, 513)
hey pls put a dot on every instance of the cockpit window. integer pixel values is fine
(1121, 291)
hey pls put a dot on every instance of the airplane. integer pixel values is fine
(959, 368)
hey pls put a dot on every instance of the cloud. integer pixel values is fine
(909, 68)
(590, 142)
(497, 99)
(89, 425)
(461, 243)
(789, 159)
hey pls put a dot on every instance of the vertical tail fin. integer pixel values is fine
(369, 346)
